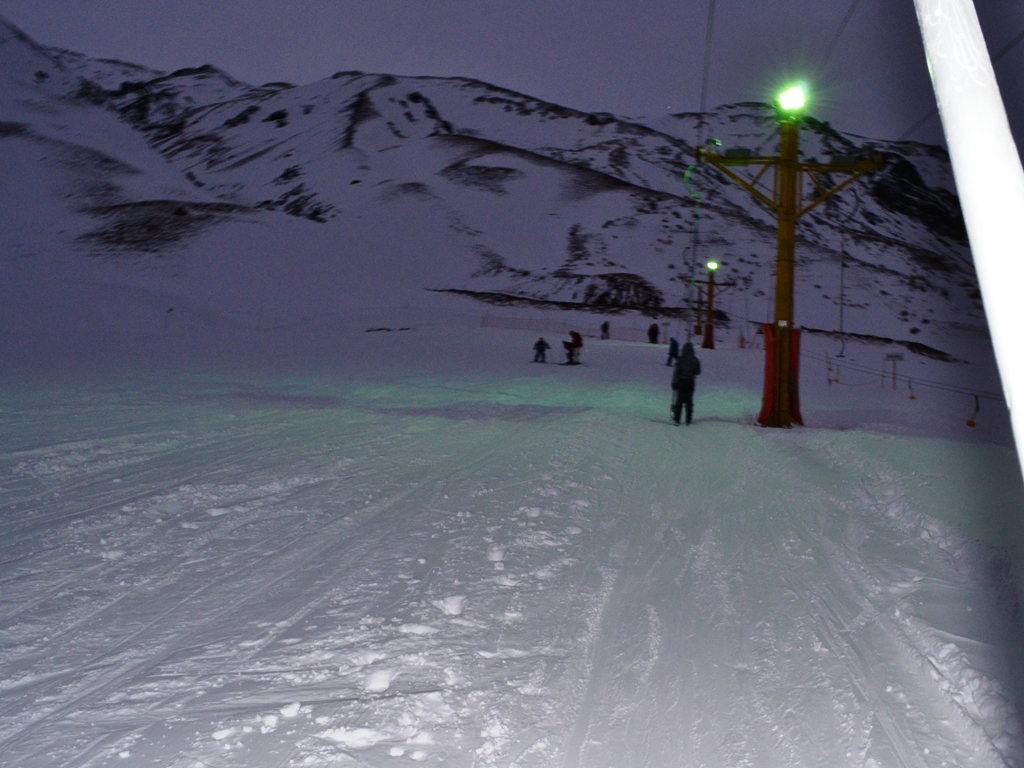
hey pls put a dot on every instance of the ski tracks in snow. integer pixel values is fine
(758, 619)
(271, 587)
(393, 594)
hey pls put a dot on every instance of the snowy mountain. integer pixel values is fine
(457, 185)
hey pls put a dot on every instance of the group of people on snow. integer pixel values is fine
(684, 373)
(572, 349)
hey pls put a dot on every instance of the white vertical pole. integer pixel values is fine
(989, 178)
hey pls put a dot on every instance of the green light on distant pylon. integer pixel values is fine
(712, 266)
(793, 98)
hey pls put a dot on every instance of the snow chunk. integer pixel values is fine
(217, 511)
(539, 539)
(354, 738)
(113, 554)
(496, 554)
(379, 681)
(366, 659)
(223, 733)
(416, 629)
(291, 710)
(452, 605)
(495, 738)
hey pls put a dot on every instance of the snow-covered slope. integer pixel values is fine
(435, 552)
(453, 185)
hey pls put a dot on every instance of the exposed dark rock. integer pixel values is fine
(288, 174)
(508, 300)
(900, 189)
(359, 111)
(489, 178)
(153, 225)
(279, 117)
(13, 129)
(430, 111)
(242, 117)
(298, 202)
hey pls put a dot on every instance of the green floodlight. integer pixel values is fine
(712, 266)
(792, 99)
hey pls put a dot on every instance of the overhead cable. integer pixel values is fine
(943, 386)
(707, 70)
(835, 38)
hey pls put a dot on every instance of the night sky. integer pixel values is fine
(630, 58)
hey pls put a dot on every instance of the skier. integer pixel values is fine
(687, 369)
(540, 350)
(572, 348)
(652, 333)
(673, 351)
(605, 334)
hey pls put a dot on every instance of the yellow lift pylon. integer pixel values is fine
(780, 400)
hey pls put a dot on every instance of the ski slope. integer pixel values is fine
(432, 551)
(271, 494)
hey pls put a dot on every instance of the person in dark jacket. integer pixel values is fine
(673, 351)
(652, 333)
(686, 371)
(540, 351)
(605, 330)
(572, 348)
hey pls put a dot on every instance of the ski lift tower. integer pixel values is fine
(780, 403)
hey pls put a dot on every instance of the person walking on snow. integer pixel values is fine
(673, 351)
(652, 333)
(686, 371)
(540, 351)
(605, 332)
(572, 348)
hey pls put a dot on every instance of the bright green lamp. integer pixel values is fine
(793, 99)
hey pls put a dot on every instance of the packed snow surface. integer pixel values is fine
(439, 552)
